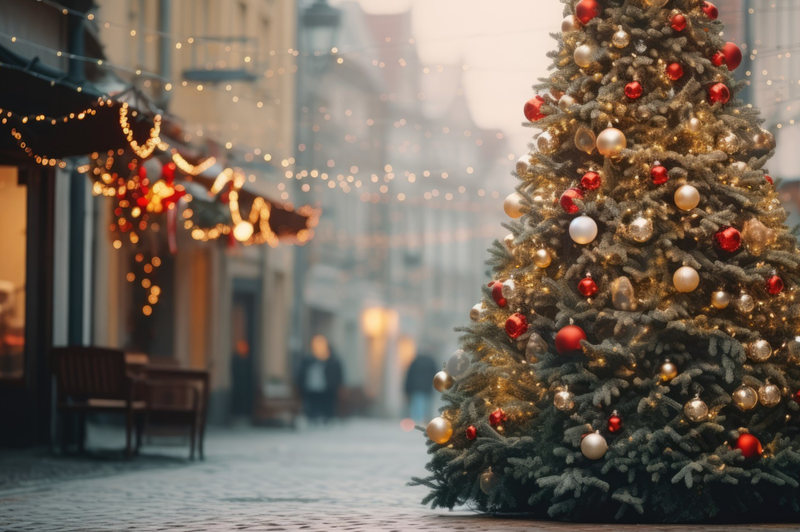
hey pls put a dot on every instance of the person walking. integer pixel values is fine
(419, 387)
(319, 380)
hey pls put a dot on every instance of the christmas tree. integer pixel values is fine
(635, 357)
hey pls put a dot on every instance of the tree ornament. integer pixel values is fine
(695, 125)
(760, 351)
(796, 397)
(591, 181)
(686, 279)
(764, 140)
(568, 200)
(439, 430)
(745, 398)
(745, 303)
(489, 481)
(769, 395)
(659, 175)
(546, 143)
(509, 289)
(633, 90)
(497, 417)
(720, 299)
(678, 22)
(516, 325)
(583, 230)
(696, 410)
(774, 285)
(471, 432)
(524, 165)
(757, 236)
(513, 205)
(585, 139)
(621, 38)
(497, 295)
(564, 400)
(594, 446)
(749, 445)
(566, 102)
(769, 180)
(614, 422)
(687, 197)
(611, 142)
(542, 258)
(536, 348)
(586, 10)
(719, 93)
(568, 340)
(458, 364)
(674, 71)
(478, 312)
(640, 229)
(623, 296)
(508, 241)
(710, 10)
(570, 24)
(587, 287)
(584, 55)
(729, 142)
(733, 55)
(728, 239)
(668, 371)
(533, 108)
(442, 381)
(718, 59)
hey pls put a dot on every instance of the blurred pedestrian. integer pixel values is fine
(319, 380)
(419, 387)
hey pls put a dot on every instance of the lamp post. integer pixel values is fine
(317, 30)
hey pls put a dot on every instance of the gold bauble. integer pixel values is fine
(687, 198)
(570, 23)
(524, 165)
(745, 303)
(513, 205)
(566, 102)
(694, 125)
(769, 395)
(542, 258)
(442, 381)
(621, 38)
(764, 140)
(729, 142)
(745, 398)
(439, 430)
(488, 481)
(759, 351)
(686, 279)
(509, 243)
(696, 410)
(720, 299)
(623, 295)
(584, 55)
(585, 139)
(564, 400)
(757, 236)
(546, 143)
(611, 142)
(640, 229)
(668, 371)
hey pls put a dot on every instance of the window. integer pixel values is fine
(13, 240)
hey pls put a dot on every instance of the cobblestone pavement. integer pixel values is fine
(346, 477)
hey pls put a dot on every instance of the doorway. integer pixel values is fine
(245, 346)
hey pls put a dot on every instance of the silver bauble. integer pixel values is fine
(623, 296)
(478, 312)
(570, 23)
(611, 142)
(457, 364)
(546, 143)
(536, 348)
(640, 229)
(745, 303)
(584, 55)
(439, 430)
(542, 258)
(729, 142)
(696, 410)
(621, 38)
(442, 381)
(583, 230)
(488, 481)
(566, 102)
(745, 398)
(686, 279)
(720, 299)
(509, 289)
(594, 446)
(769, 395)
(759, 351)
(564, 400)
(687, 198)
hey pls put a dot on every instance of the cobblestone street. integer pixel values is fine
(344, 477)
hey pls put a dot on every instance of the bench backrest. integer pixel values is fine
(90, 373)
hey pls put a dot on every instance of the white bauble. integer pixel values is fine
(686, 279)
(583, 230)
(570, 23)
(594, 446)
(584, 55)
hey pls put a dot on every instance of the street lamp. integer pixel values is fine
(320, 25)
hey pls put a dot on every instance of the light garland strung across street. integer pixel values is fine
(40, 159)
(150, 144)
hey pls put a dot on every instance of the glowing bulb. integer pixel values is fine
(243, 231)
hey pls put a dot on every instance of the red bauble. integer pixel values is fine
(733, 55)
(516, 325)
(797, 397)
(497, 417)
(749, 445)
(774, 285)
(710, 10)
(497, 294)
(587, 287)
(769, 180)
(674, 71)
(718, 59)
(591, 181)
(472, 432)
(568, 339)
(633, 90)
(533, 108)
(614, 423)
(586, 10)
(659, 175)
(728, 239)
(567, 200)
(719, 93)
(678, 22)
(168, 172)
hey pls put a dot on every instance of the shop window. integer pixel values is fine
(13, 243)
